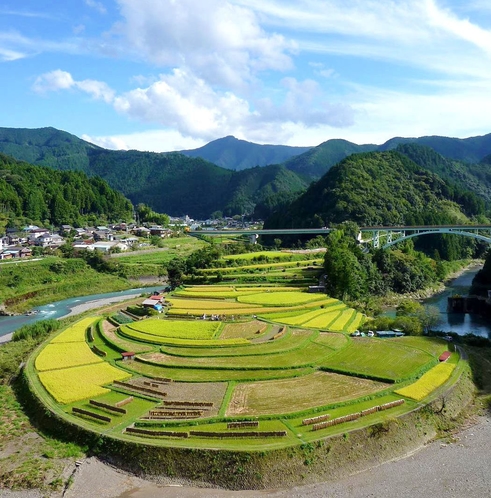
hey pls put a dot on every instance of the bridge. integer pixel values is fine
(376, 237)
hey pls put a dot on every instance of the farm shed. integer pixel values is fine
(128, 355)
(444, 356)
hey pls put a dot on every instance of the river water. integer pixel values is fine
(460, 323)
(59, 309)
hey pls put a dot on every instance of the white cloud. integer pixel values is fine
(151, 140)
(61, 80)
(53, 81)
(96, 5)
(220, 42)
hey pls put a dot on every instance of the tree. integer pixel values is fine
(175, 272)
(429, 317)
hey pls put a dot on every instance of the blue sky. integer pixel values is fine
(166, 75)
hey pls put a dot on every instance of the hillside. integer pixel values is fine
(177, 184)
(379, 188)
(232, 153)
(47, 196)
(318, 160)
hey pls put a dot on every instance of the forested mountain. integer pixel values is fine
(48, 147)
(379, 188)
(175, 184)
(473, 177)
(469, 150)
(46, 196)
(178, 184)
(318, 160)
(232, 153)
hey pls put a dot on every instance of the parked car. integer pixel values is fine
(370, 333)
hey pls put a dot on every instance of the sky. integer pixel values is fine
(162, 75)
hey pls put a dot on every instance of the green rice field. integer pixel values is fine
(276, 354)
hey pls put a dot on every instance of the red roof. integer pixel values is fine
(128, 353)
(445, 356)
(155, 297)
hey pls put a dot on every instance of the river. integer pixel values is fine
(59, 309)
(459, 323)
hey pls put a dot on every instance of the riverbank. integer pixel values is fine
(451, 468)
(393, 300)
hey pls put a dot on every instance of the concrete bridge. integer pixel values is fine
(376, 237)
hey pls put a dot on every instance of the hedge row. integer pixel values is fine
(354, 416)
(222, 435)
(105, 406)
(90, 334)
(146, 432)
(88, 413)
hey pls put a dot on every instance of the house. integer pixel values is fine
(160, 231)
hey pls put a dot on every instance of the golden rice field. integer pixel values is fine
(58, 355)
(342, 320)
(73, 384)
(430, 381)
(75, 333)
(280, 298)
(182, 329)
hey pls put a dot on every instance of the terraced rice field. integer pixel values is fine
(289, 357)
(428, 383)
(72, 384)
(379, 358)
(280, 396)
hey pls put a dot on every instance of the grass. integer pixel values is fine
(379, 358)
(29, 284)
(266, 255)
(172, 247)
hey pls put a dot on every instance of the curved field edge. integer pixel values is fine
(322, 460)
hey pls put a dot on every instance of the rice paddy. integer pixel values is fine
(277, 353)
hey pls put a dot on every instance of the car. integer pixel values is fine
(356, 333)
(370, 333)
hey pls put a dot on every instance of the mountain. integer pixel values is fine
(178, 184)
(469, 150)
(45, 196)
(232, 153)
(48, 147)
(379, 188)
(473, 177)
(315, 162)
